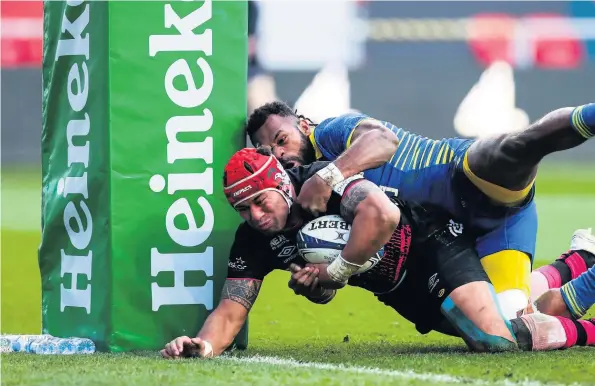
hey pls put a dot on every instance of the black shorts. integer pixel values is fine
(440, 261)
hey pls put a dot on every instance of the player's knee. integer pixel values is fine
(473, 310)
(511, 301)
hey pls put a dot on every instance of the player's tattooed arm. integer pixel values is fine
(224, 323)
(354, 195)
(373, 216)
(242, 291)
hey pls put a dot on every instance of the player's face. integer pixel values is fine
(289, 140)
(266, 212)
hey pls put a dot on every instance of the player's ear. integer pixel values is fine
(304, 126)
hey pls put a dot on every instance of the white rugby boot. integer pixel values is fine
(583, 239)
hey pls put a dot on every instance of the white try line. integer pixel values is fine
(402, 374)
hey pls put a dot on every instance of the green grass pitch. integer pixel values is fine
(354, 340)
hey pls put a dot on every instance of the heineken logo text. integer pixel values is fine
(78, 221)
(194, 187)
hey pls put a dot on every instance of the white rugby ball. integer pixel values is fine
(322, 240)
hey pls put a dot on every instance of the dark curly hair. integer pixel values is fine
(261, 114)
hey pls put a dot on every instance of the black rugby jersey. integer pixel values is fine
(253, 255)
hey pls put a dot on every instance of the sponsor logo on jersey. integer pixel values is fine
(278, 241)
(455, 228)
(289, 253)
(433, 282)
(238, 264)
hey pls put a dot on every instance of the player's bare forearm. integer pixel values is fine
(374, 218)
(372, 145)
(224, 323)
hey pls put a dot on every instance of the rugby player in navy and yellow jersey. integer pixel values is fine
(487, 183)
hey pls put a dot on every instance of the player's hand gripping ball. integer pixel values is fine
(321, 240)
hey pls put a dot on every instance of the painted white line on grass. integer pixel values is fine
(345, 368)
(402, 374)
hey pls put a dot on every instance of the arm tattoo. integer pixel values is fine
(353, 196)
(242, 291)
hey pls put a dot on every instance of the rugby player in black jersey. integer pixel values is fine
(430, 272)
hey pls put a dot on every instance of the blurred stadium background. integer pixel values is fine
(437, 68)
(404, 60)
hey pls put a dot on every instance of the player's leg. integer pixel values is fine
(412, 300)
(504, 166)
(579, 258)
(473, 309)
(506, 254)
(573, 299)
(510, 273)
(541, 332)
(563, 307)
(474, 315)
(506, 258)
(446, 290)
(464, 294)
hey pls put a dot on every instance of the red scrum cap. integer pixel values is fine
(249, 173)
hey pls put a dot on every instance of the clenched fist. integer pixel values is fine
(314, 195)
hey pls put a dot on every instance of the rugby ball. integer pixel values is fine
(322, 240)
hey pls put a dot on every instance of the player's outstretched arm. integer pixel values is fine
(222, 326)
(374, 218)
(371, 145)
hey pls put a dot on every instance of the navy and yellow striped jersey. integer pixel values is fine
(420, 170)
(579, 294)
